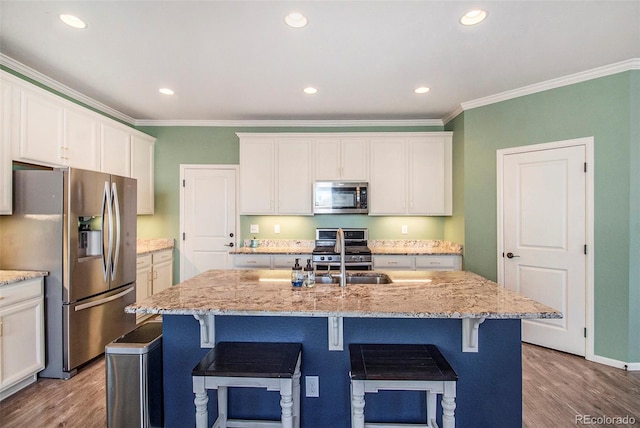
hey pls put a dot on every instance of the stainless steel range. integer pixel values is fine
(357, 253)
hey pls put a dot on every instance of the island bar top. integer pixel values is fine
(413, 294)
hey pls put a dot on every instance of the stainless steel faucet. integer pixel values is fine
(340, 248)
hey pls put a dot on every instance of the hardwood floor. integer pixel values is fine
(556, 388)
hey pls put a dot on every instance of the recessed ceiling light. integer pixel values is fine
(72, 21)
(310, 90)
(421, 90)
(473, 17)
(295, 20)
(165, 91)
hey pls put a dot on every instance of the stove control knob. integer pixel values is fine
(321, 257)
(329, 258)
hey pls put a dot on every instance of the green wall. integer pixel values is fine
(606, 108)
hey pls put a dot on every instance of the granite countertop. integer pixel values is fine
(277, 246)
(12, 276)
(148, 246)
(413, 294)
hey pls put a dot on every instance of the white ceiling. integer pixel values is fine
(237, 60)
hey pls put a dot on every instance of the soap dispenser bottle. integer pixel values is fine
(309, 275)
(296, 274)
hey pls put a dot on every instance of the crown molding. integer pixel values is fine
(607, 70)
(292, 123)
(29, 72)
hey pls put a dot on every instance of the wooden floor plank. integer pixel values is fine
(556, 388)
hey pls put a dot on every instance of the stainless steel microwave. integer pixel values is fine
(340, 197)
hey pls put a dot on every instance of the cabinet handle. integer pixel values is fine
(155, 274)
(392, 263)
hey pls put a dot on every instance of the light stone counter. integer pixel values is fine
(147, 246)
(12, 276)
(413, 247)
(423, 294)
(277, 246)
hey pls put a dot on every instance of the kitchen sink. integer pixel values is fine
(359, 278)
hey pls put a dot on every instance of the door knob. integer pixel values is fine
(230, 244)
(511, 255)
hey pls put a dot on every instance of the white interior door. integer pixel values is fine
(208, 218)
(544, 238)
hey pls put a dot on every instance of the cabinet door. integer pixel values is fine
(143, 277)
(446, 262)
(355, 159)
(21, 341)
(81, 141)
(294, 177)
(115, 150)
(5, 148)
(247, 261)
(257, 176)
(388, 187)
(429, 176)
(142, 150)
(162, 276)
(41, 127)
(327, 159)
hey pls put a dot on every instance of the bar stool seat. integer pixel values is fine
(376, 367)
(274, 366)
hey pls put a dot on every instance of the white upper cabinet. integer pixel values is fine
(275, 175)
(39, 127)
(5, 148)
(257, 175)
(40, 134)
(115, 150)
(142, 155)
(341, 159)
(411, 175)
(294, 179)
(82, 144)
(388, 180)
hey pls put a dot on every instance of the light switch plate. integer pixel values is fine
(255, 228)
(405, 229)
(276, 228)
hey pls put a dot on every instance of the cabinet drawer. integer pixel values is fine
(437, 262)
(23, 290)
(393, 262)
(143, 261)
(162, 256)
(283, 262)
(252, 262)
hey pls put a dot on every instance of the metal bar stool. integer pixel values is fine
(378, 367)
(274, 366)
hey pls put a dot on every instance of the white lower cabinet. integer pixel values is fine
(427, 262)
(21, 335)
(154, 273)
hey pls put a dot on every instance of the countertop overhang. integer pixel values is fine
(413, 294)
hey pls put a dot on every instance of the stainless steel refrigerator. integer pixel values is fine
(80, 226)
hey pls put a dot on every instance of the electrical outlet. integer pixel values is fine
(255, 228)
(312, 386)
(405, 229)
(276, 228)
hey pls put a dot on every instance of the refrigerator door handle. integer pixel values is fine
(106, 252)
(116, 211)
(103, 301)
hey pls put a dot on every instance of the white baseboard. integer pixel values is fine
(614, 363)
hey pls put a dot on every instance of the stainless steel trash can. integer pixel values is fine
(134, 378)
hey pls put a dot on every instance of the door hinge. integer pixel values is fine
(184, 236)
(585, 249)
(184, 183)
(585, 332)
(585, 167)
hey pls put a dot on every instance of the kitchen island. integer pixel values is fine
(474, 322)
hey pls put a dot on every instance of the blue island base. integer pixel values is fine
(489, 389)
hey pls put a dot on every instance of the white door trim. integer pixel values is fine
(232, 167)
(588, 144)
